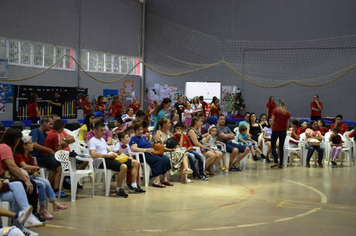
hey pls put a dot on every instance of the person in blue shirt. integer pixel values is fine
(159, 113)
(245, 140)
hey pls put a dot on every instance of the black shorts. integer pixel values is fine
(49, 161)
(115, 165)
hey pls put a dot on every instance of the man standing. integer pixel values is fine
(225, 135)
(316, 107)
(57, 104)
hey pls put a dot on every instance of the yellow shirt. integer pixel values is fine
(83, 128)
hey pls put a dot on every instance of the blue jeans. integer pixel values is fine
(192, 156)
(43, 188)
(282, 136)
(311, 150)
(13, 231)
(16, 195)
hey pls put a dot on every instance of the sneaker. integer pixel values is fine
(28, 232)
(24, 214)
(334, 163)
(38, 216)
(263, 156)
(255, 158)
(121, 193)
(32, 221)
(204, 177)
(135, 190)
(62, 194)
(196, 176)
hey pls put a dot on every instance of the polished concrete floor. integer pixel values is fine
(256, 201)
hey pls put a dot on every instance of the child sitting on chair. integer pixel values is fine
(244, 139)
(336, 144)
(211, 140)
(123, 147)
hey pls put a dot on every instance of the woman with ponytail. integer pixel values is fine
(280, 124)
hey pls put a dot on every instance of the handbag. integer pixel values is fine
(8, 175)
(171, 143)
(122, 158)
(159, 149)
(313, 142)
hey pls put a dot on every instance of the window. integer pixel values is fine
(108, 63)
(35, 54)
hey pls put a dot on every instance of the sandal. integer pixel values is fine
(159, 185)
(232, 169)
(187, 172)
(275, 165)
(188, 181)
(167, 183)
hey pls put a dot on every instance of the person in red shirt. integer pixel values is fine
(100, 105)
(33, 112)
(135, 105)
(280, 124)
(118, 106)
(53, 142)
(321, 127)
(112, 110)
(303, 127)
(270, 106)
(87, 107)
(214, 107)
(24, 160)
(316, 107)
(204, 105)
(342, 126)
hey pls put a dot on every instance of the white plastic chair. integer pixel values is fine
(289, 150)
(44, 172)
(346, 149)
(145, 166)
(305, 150)
(5, 221)
(107, 175)
(69, 169)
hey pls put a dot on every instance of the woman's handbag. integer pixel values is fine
(8, 175)
(122, 158)
(159, 149)
(313, 142)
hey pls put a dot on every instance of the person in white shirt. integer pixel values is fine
(99, 149)
(123, 147)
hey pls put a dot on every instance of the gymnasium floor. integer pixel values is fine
(256, 201)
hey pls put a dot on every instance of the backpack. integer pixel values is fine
(171, 143)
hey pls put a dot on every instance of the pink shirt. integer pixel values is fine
(5, 153)
(313, 133)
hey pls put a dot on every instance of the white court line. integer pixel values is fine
(323, 200)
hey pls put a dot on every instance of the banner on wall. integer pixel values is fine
(69, 96)
(7, 93)
(81, 93)
(4, 68)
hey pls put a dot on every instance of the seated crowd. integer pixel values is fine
(171, 147)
